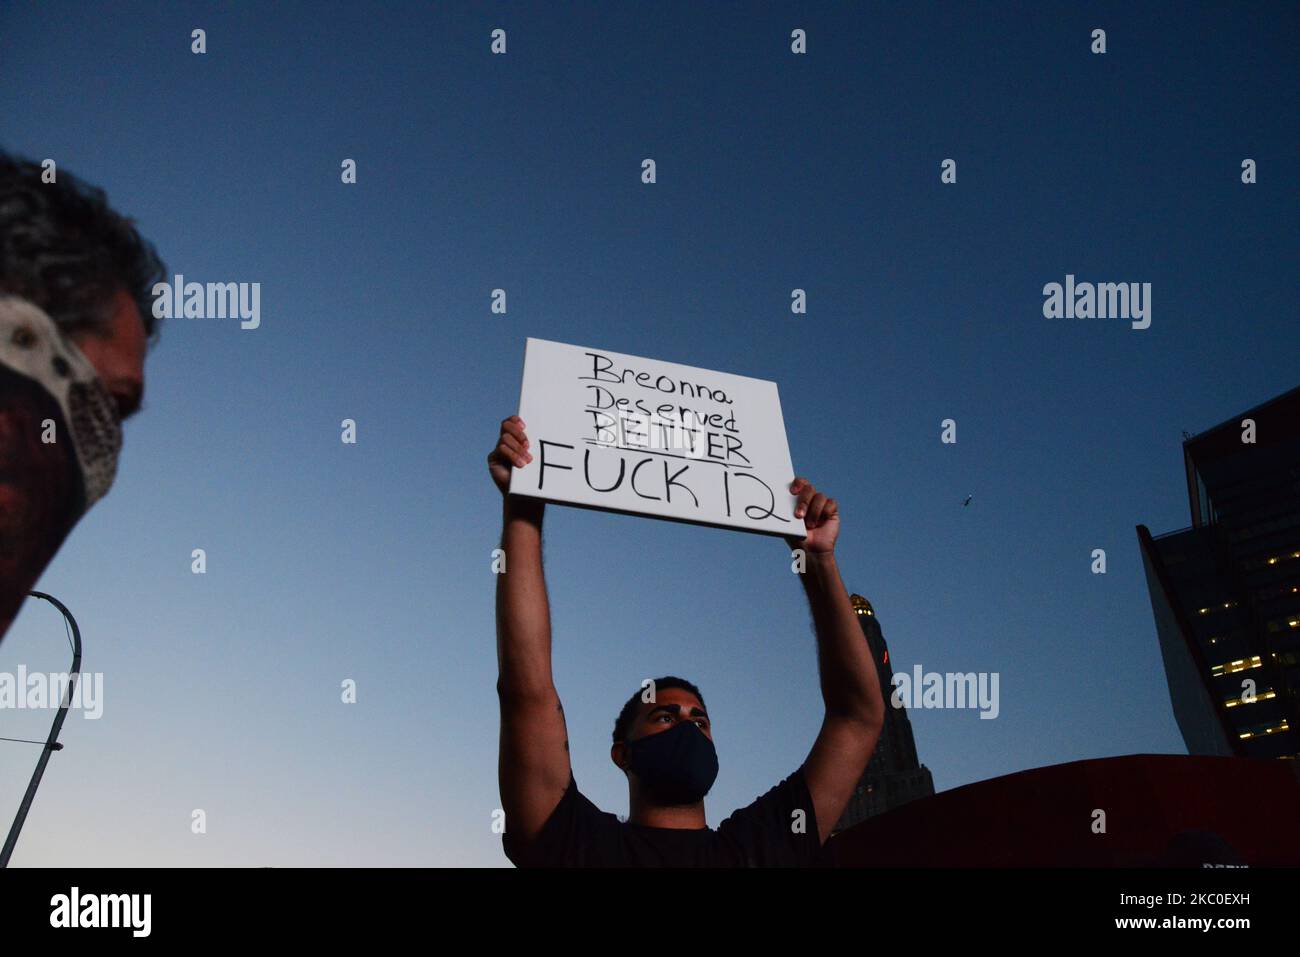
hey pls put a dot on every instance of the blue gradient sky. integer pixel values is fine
(372, 561)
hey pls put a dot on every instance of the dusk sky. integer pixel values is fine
(775, 171)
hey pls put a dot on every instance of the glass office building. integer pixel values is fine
(1226, 591)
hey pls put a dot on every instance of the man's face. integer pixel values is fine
(671, 707)
(117, 351)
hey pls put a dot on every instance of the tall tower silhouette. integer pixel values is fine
(894, 775)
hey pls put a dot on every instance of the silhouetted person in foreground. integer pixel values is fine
(76, 283)
(664, 742)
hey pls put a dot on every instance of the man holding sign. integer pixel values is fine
(663, 739)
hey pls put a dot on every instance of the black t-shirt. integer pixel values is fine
(766, 833)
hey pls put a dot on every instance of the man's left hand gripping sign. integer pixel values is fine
(59, 440)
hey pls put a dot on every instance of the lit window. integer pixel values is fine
(1259, 730)
(1263, 696)
(1232, 667)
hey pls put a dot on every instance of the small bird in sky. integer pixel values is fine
(967, 502)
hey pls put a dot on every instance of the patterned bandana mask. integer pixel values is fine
(33, 349)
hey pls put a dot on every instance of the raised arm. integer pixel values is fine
(855, 710)
(533, 762)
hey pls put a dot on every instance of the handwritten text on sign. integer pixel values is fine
(639, 435)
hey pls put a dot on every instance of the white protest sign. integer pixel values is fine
(628, 434)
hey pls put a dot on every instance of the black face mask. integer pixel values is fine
(677, 766)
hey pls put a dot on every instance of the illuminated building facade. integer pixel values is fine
(1226, 591)
(894, 776)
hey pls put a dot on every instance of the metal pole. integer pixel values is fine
(52, 742)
